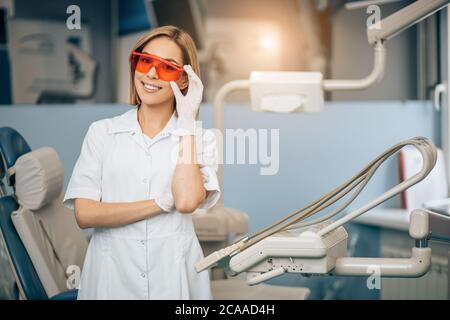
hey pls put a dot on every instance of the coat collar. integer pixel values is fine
(128, 122)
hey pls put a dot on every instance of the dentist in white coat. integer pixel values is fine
(140, 176)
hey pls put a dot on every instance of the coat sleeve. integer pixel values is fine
(85, 181)
(207, 157)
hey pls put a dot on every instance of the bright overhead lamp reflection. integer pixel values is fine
(268, 42)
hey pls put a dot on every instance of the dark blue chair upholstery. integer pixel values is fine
(12, 146)
(67, 295)
(2, 169)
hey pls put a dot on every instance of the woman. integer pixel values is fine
(139, 177)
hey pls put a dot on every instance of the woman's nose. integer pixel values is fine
(152, 73)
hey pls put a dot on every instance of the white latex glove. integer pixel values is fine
(165, 202)
(187, 105)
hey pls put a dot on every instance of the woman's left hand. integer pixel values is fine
(187, 106)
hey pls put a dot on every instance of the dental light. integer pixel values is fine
(303, 91)
(286, 91)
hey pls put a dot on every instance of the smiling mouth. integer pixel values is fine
(150, 87)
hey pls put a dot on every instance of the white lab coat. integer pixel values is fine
(152, 258)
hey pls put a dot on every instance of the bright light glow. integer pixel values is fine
(268, 42)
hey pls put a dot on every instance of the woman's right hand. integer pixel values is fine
(187, 106)
(165, 201)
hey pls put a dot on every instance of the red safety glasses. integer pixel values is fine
(167, 71)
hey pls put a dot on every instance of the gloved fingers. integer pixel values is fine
(193, 77)
(176, 91)
(195, 92)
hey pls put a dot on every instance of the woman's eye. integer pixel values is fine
(168, 68)
(146, 60)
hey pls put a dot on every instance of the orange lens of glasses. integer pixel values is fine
(166, 70)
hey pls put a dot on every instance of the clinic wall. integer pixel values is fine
(317, 152)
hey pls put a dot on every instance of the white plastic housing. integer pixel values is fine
(304, 252)
(286, 92)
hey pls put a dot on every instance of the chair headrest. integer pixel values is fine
(39, 178)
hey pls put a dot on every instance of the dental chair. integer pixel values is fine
(45, 247)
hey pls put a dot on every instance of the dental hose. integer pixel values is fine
(316, 206)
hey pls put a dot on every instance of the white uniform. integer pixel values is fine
(152, 258)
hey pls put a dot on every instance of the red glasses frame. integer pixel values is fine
(166, 70)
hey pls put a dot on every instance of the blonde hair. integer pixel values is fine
(184, 42)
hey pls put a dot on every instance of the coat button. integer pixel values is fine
(142, 242)
(143, 275)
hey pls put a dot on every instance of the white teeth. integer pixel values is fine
(151, 87)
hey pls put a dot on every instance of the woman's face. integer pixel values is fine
(168, 50)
